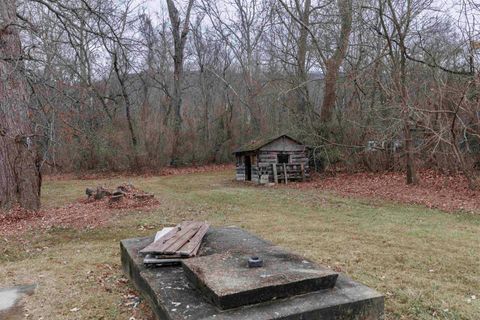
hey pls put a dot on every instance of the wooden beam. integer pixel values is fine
(285, 173)
(275, 176)
(302, 167)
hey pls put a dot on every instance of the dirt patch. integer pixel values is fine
(85, 213)
(448, 193)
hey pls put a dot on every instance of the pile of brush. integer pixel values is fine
(124, 191)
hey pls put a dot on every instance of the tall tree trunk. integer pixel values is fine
(330, 92)
(401, 26)
(176, 104)
(303, 101)
(126, 100)
(332, 65)
(20, 178)
(470, 174)
(409, 155)
(179, 40)
(412, 177)
(206, 104)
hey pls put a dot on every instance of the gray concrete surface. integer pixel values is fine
(172, 296)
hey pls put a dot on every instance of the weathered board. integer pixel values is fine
(182, 241)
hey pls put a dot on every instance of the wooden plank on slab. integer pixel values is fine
(195, 251)
(180, 242)
(164, 256)
(166, 241)
(153, 247)
(154, 262)
(189, 248)
(183, 241)
(181, 238)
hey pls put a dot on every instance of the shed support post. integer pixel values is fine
(275, 176)
(302, 167)
(285, 173)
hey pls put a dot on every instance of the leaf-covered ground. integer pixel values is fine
(424, 260)
(445, 192)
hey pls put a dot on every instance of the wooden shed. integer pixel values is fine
(281, 158)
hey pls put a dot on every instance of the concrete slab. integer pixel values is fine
(227, 281)
(173, 296)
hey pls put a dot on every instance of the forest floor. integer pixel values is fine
(448, 193)
(424, 260)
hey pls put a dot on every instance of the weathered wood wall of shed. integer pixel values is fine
(240, 169)
(283, 144)
(255, 175)
(266, 160)
(240, 174)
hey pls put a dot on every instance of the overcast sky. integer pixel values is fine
(452, 7)
(155, 6)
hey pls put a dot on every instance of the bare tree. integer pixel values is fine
(179, 32)
(330, 62)
(396, 18)
(300, 52)
(242, 28)
(20, 178)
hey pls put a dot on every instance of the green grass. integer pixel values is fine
(425, 261)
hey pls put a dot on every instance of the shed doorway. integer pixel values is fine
(248, 168)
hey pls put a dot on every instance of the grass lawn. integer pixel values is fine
(426, 262)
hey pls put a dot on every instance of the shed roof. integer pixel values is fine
(258, 143)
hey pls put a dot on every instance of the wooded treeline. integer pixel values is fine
(369, 84)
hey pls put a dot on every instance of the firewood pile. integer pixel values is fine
(171, 245)
(123, 192)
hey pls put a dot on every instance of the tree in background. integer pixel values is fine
(180, 30)
(370, 85)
